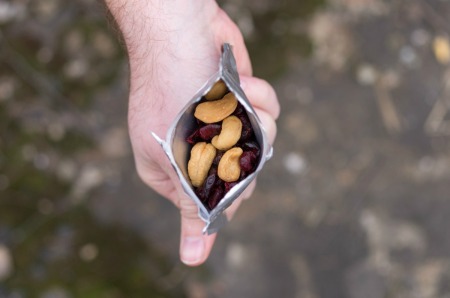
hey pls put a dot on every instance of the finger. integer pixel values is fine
(268, 124)
(194, 246)
(261, 94)
(232, 34)
(244, 196)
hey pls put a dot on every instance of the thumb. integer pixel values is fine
(195, 247)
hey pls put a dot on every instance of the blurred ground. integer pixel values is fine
(355, 202)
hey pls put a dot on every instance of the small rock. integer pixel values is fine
(56, 131)
(104, 45)
(294, 163)
(236, 255)
(89, 178)
(6, 264)
(408, 56)
(367, 75)
(66, 169)
(114, 143)
(420, 37)
(76, 68)
(7, 86)
(88, 252)
(441, 47)
(10, 11)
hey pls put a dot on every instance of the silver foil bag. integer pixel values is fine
(178, 149)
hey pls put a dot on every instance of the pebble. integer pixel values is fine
(66, 169)
(441, 47)
(88, 252)
(236, 255)
(89, 178)
(6, 89)
(76, 68)
(6, 264)
(294, 163)
(420, 37)
(408, 56)
(367, 75)
(10, 11)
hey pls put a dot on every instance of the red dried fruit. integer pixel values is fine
(209, 131)
(239, 110)
(229, 185)
(248, 161)
(252, 146)
(217, 195)
(247, 130)
(216, 160)
(204, 191)
(194, 138)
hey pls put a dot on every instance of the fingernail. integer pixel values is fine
(192, 249)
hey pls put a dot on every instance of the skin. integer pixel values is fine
(174, 46)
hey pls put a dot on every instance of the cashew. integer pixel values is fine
(202, 156)
(217, 110)
(229, 135)
(229, 169)
(217, 91)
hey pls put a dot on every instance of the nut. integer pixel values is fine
(229, 135)
(217, 91)
(229, 169)
(202, 156)
(217, 110)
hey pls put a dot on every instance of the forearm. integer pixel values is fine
(156, 33)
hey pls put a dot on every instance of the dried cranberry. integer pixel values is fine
(215, 198)
(209, 131)
(229, 185)
(204, 191)
(251, 146)
(247, 130)
(194, 137)
(248, 161)
(217, 158)
(239, 110)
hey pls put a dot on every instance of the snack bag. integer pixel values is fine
(217, 144)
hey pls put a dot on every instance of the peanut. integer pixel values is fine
(229, 135)
(202, 157)
(217, 91)
(217, 110)
(229, 169)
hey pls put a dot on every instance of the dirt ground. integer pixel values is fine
(354, 203)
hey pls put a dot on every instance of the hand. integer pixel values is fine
(174, 47)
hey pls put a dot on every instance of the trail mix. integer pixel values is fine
(225, 150)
